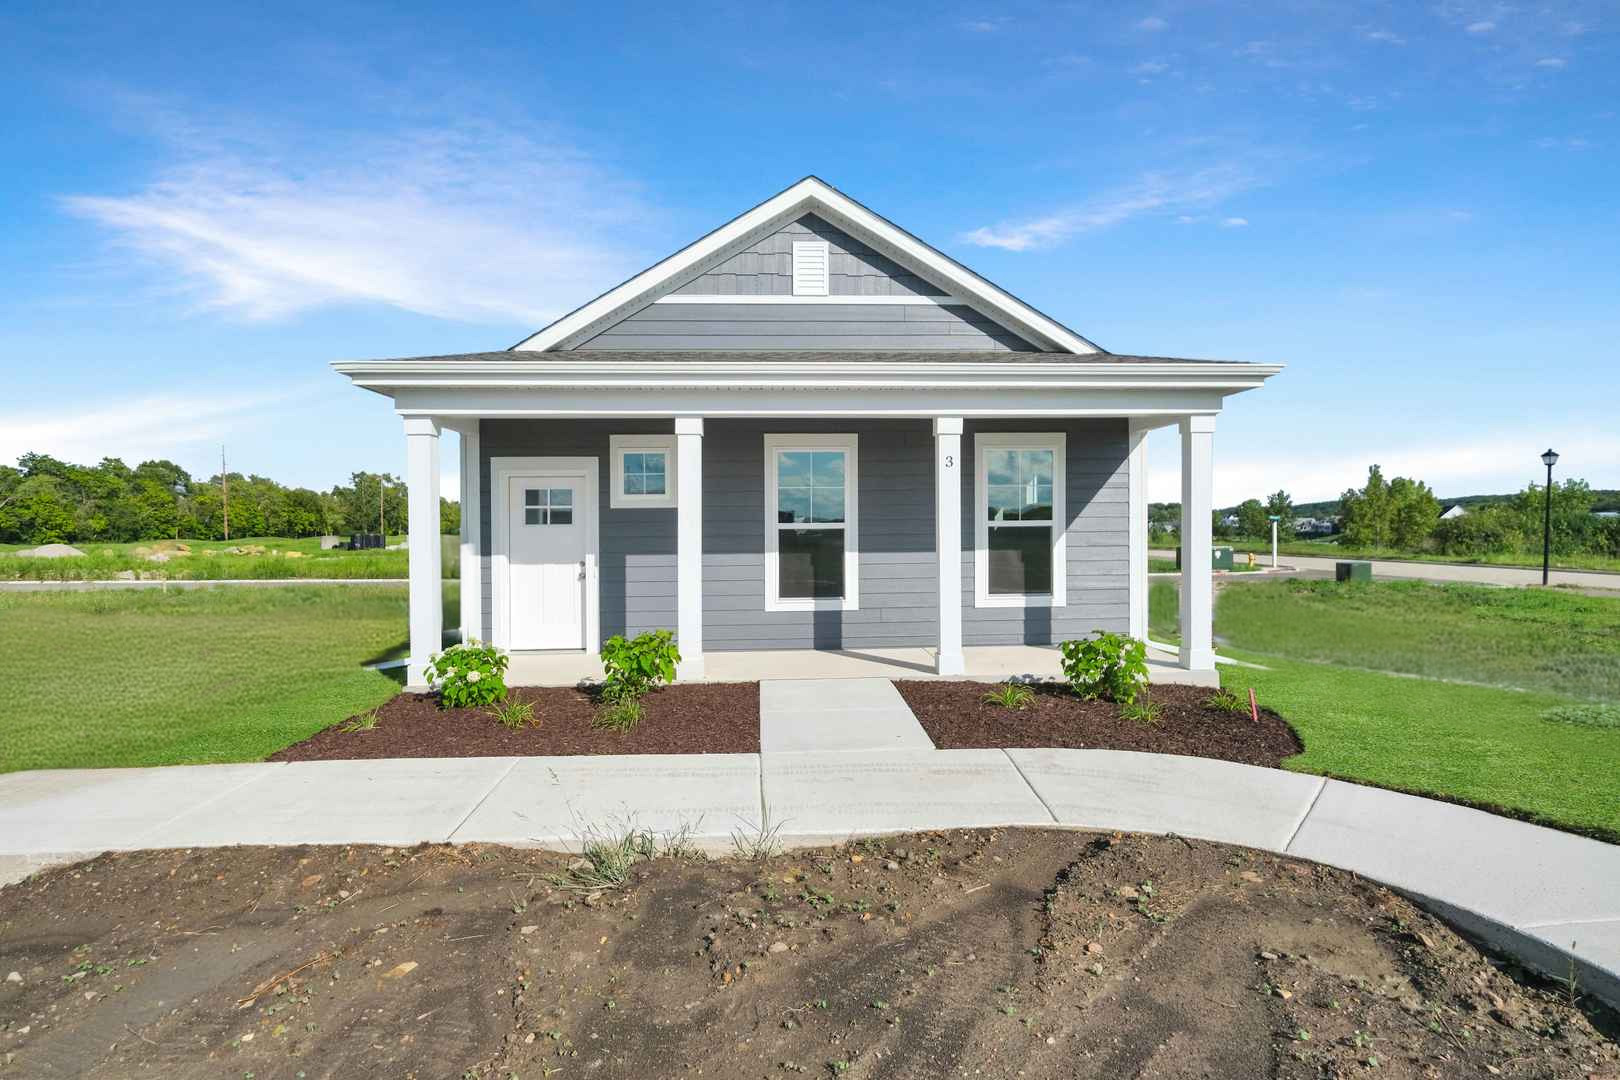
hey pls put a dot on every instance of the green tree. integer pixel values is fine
(1573, 526)
(1366, 512)
(1252, 519)
(449, 517)
(1281, 504)
(1413, 513)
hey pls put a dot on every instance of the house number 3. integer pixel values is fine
(950, 462)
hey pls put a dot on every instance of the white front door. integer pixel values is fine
(549, 519)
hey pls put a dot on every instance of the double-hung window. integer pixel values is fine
(643, 475)
(1019, 543)
(811, 553)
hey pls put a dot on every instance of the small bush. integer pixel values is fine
(1598, 716)
(1224, 700)
(606, 859)
(634, 667)
(1142, 711)
(1108, 666)
(620, 716)
(1011, 695)
(513, 714)
(469, 675)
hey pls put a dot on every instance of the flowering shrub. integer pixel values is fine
(1110, 666)
(469, 674)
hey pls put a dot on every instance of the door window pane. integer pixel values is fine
(531, 496)
(1020, 561)
(531, 515)
(560, 515)
(810, 563)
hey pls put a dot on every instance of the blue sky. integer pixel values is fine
(1413, 205)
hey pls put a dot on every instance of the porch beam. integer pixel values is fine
(422, 540)
(1197, 538)
(948, 659)
(689, 545)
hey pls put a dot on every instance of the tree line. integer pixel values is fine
(45, 500)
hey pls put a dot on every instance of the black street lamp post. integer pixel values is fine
(1550, 458)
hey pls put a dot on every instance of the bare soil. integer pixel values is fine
(984, 953)
(956, 716)
(688, 718)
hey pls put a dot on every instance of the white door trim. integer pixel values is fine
(501, 470)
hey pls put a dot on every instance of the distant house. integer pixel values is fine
(1455, 510)
(1314, 526)
(806, 430)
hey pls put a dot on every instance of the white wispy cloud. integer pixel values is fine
(466, 222)
(1152, 24)
(1384, 37)
(1149, 68)
(1483, 26)
(1555, 63)
(1234, 222)
(1155, 193)
(168, 425)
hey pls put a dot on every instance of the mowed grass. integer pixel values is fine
(214, 560)
(1481, 745)
(1331, 549)
(1548, 640)
(163, 677)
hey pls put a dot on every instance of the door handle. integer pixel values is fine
(582, 569)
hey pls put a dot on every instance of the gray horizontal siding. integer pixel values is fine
(765, 267)
(897, 567)
(807, 326)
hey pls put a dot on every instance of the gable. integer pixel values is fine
(863, 283)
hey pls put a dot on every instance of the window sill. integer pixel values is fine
(833, 604)
(1017, 600)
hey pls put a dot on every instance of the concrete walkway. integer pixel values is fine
(836, 714)
(1545, 896)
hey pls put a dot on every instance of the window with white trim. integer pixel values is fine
(1019, 539)
(811, 551)
(812, 269)
(643, 472)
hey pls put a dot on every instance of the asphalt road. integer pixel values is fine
(1315, 566)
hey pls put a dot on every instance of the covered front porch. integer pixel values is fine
(985, 663)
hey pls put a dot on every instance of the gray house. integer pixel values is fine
(807, 442)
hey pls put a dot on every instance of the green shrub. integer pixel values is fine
(1224, 700)
(1011, 695)
(1109, 666)
(469, 675)
(632, 668)
(513, 713)
(1142, 711)
(621, 716)
(1598, 716)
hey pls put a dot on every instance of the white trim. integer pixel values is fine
(850, 445)
(812, 268)
(501, 470)
(808, 194)
(689, 548)
(1196, 535)
(618, 446)
(906, 299)
(1056, 442)
(1137, 531)
(472, 527)
(948, 657)
(426, 594)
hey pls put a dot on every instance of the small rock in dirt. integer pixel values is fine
(14, 977)
(400, 969)
(891, 865)
(1094, 947)
(527, 930)
(779, 946)
(248, 1037)
(1251, 877)
(857, 858)
(901, 853)
(1268, 956)
(1095, 969)
(528, 1039)
(312, 880)
(1128, 892)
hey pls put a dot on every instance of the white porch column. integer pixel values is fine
(948, 542)
(1197, 537)
(472, 566)
(422, 525)
(689, 544)
(1136, 467)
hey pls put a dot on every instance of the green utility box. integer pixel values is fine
(1223, 557)
(1352, 571)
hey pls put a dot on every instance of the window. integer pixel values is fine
(1019, 542)
(811, 269)
(643, 475)
(810, 523)
(548, 506)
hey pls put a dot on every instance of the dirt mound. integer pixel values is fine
(1027, 953)
(52, 551)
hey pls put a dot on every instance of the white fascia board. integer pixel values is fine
(812, 194)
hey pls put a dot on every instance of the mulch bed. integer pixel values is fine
(690, 718)
(956, 717)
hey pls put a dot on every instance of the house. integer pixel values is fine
(1454, 510)
(807, 429)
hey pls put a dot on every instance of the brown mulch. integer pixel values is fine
(690, 718)
(956, 717)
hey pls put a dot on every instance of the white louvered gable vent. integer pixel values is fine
(810, 268)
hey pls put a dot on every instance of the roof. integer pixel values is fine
(811, 194)
(756, 358)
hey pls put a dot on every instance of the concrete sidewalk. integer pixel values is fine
(1543, 895)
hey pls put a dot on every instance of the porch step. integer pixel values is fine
(836, 714)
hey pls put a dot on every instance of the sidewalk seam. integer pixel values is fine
(1019, 770)
(450, 837)
(1300, 824)
(267, 768)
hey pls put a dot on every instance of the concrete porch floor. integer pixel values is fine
(991, 663)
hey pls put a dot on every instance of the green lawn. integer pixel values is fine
(212, 560)
(1331, 549)
(149, 677)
